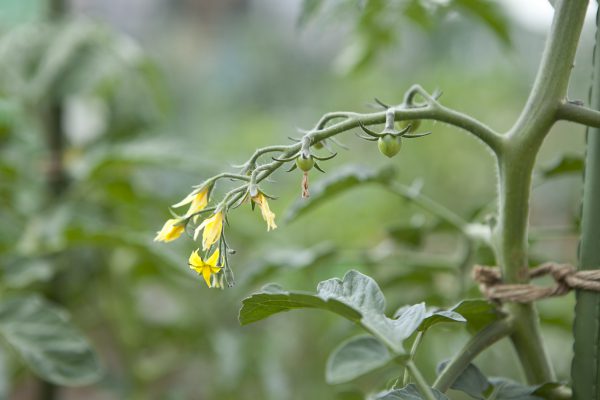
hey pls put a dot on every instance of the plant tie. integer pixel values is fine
(566, 277)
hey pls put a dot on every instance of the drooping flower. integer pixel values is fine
(205, 268)
(267, 214)
(170, 230)
(212, 230)
(198, 200)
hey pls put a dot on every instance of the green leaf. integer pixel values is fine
(338, 182)
(428, 318)
(409, 392)
(418, 13)
(415, 313)
(490, 14)
(47, 341)
(566, 164)
(355, 357)
(357, 297)
(471, 381)
(479, 313)
(349, 395)
(506, 389)
(363, 293)
(272, 300)
(23, 272)
(63, 50)
(438, 317)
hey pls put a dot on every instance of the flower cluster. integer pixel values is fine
(213, 267)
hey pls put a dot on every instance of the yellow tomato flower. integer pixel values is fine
(170, 231)
(267, 214)
(205, 268)
(212, 230)
(198, 200)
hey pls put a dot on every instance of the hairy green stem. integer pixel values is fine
(550, 87)
(432, 111)
(420, 381)
(331, 116)
(228, 175)
(516, 162)
(481, 341)
(577, 113)
(413, 352)
(251, 163)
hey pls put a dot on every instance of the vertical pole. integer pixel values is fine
(585, 371)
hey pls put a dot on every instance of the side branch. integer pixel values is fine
(432, 111)
(481, 341)
(577, 113)
(427, 108)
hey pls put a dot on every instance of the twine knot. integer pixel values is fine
(566, 278)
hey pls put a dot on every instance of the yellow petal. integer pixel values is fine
(203, 225)
(199, 202)
(195, 260)
(170, 231)
(188, 199)
(266, 212)
(196, 269)
(214, 269)
(206, 274)
(270, 218)
(212, 230)
(213, 259)
(199, 229)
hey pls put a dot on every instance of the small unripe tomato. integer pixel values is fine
(389, 145)
(414, 124)
(305, 163)
(318, 145)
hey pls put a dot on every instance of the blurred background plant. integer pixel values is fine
(110, 110)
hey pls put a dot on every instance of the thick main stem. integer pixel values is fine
(516, 163)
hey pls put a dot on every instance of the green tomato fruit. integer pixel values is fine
(414, 124)
(305, 163)
(389, 145)
(318, 145)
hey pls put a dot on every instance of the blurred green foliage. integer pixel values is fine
(377, 23)
(144, 119)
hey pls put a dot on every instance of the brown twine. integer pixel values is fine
(566, 277)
